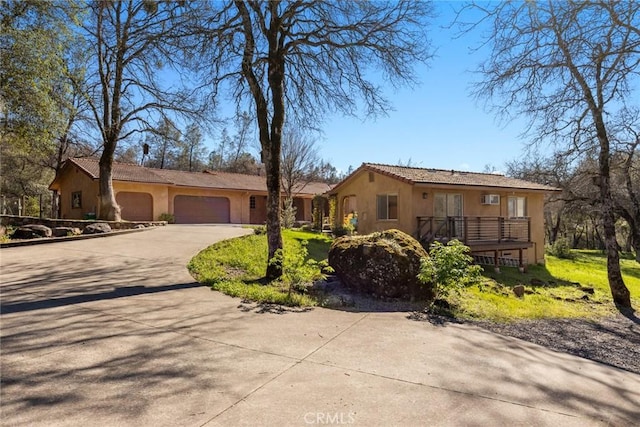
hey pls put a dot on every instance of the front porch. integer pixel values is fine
(482, 234)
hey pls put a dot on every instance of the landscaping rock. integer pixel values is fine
(537, 282)
(587, 290)
(97, 228)
(32, 231)
(64, 231)
(138, 226)
(384, 264)
(518, 290)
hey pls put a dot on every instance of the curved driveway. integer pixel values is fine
(113, 331)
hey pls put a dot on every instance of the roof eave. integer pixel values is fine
(487, 186)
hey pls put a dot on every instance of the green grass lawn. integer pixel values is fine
(236, 267)
(559, 297)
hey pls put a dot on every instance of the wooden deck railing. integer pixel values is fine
(472, 229)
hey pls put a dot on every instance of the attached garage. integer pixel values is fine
(201, 210)
(135, 206)
(144, 194)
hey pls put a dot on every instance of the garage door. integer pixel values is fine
(201, 210)
(135, 206)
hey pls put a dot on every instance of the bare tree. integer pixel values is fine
(554, 171)
(300, 159)
(626, 188)
(568, 67)
(131, 43)
(243, 137)
(164, 141)
(303, 58)
(192, 149)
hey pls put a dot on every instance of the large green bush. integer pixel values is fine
(561, 248)
(448, 268)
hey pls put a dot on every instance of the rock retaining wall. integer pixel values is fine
(17, 221)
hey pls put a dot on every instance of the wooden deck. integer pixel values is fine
(481, 234)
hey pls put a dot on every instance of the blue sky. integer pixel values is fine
(437, 124)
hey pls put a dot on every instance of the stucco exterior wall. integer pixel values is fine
(366, 192)
(418, 200)
(78, 181)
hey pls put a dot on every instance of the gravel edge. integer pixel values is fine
(614, 340)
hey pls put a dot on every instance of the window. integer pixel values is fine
(76, 200)
(517, 207)
(387, 206)
(447, 205)
(252, 202)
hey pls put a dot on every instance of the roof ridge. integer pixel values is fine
(435, 169)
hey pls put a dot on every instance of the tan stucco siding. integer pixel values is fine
(73, 181)
(366, 193)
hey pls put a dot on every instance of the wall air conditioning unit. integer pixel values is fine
(490, 199)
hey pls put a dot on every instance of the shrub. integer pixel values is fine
(298, 269)
(343, 230)
(261, 229)
(561, 248)
(288, 213)
(448, 268)
(167, 217)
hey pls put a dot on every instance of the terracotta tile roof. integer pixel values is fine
(121, 171)
(414, 175)
(209, 179)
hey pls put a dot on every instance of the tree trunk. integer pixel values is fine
(556, 227)
(108, 209)
(274, 234)
(276, 86)
(270, 134)
(619, 291)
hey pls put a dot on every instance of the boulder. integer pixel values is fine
(64, 231)
(32, 231)
(383, 264)
(518, 290)
(97, 228)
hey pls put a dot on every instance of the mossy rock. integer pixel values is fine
(383, 264)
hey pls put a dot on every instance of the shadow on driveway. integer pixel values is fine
(119, 292)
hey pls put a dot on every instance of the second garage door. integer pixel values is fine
(201, 210)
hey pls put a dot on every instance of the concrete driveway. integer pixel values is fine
(114, 332)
